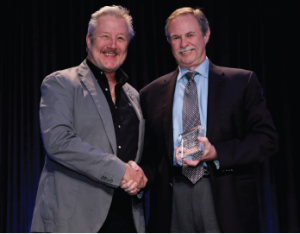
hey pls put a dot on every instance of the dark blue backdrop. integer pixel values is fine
(39, 37)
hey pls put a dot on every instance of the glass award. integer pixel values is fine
(188, 145)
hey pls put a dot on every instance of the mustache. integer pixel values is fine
(186, 49)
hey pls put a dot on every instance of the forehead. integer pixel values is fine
(112, 24)
(183, 24)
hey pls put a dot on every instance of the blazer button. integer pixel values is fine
(171, 184)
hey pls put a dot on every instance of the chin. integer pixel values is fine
(188, 60)
(187, 64)
(111, 68)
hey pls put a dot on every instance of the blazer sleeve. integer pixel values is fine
(260, 139)
(60, 138)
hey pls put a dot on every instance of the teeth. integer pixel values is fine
(107, 54)
(184, 52)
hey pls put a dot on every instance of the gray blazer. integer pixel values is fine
(81, 167)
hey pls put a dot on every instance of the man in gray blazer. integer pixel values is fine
(92, 128)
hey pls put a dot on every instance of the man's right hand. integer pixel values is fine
(134, 179)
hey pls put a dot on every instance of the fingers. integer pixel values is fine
(133, 165)
(191, 163)
(132, 174)
(137, 189)
(133, 192)
(134, 179)
(126, 185)
(123, 182)
(142, 179)
(145, 180)
(204, 140)
(130, 187)
(210, 152)
(178, 154)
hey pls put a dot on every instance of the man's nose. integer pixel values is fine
(113, 43)
(184, 43)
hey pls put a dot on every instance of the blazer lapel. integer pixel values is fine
(136, 105)
(167, 94)
(133, 100)
(89, 81)
(216, 85)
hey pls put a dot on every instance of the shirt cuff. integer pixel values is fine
(217, 163)
(140, 194)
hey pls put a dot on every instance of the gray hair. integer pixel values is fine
(199, 15)
(117, 11)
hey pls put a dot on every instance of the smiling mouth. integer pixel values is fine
(110, 54)
(186, 51)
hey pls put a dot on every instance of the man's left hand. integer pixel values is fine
(210, 153)
(130, 186)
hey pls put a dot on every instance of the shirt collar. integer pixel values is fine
(121, 76)
(202, 69)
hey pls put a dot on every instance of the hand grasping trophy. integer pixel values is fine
(188, 145)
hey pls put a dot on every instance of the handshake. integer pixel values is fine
(134, 179)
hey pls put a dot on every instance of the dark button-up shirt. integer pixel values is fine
(126, 126)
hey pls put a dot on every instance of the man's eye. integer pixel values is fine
(121, 38)
(175, 38)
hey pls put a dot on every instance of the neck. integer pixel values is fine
(194, 66)
(111, 76)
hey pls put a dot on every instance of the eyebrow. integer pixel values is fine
(190, 32)
(175, 35)
(110, 33)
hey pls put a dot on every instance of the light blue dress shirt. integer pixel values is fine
(201, 80)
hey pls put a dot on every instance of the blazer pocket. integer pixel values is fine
(59, 198)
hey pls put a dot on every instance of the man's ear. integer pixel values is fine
(88, 41)
(207, 35)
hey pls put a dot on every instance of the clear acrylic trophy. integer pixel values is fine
(188, 145)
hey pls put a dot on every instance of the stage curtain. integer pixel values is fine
(40, 37)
